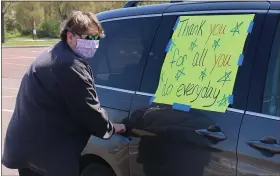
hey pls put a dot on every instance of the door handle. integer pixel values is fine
(266, 144)
(133, 132)
(139, 132)
(213, 132)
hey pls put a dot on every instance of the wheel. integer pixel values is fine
(96, 169)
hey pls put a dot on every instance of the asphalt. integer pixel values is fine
(15, 61)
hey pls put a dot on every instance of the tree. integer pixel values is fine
(5, 6)
(104, 6)
(23, 15)
(28, 14)
(11, 24)
(48, 10)
(64, 9)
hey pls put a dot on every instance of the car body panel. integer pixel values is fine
(174, 147)
(117, 103)
(256, 125)
(115, 150)
(252, 161)
(178, 149)
(117, 99)
(275, 5)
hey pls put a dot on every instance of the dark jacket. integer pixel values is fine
(56, 111)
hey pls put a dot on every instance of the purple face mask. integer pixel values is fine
(86, 48)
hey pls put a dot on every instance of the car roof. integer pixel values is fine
(161, 8)
(133, 11)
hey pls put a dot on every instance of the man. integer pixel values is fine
(57, 107)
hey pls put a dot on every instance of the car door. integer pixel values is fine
(117, 69)
(174, 144)
(259, 139)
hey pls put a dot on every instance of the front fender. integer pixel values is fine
(114, 151)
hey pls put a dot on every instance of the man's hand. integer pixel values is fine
(119, 128)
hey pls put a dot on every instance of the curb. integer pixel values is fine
(39, 46)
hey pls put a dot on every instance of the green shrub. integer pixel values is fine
(12, 34)
(11, 25)
(48, 29)
(26, 32)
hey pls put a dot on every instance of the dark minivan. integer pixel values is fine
(162, 141)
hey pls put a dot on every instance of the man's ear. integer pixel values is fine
(69, 36)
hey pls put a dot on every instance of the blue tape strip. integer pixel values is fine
(168, 46)
(181, 107)
(176, 24)
(250, 28)
(122, 137)
(240, 60)
(230, 99)
(151, 100)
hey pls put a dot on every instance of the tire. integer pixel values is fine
(96, 169)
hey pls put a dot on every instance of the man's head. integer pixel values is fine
(81, 25)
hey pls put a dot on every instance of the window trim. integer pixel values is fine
(228, 109)
(263, 115)
(274, 11)
(185, 13)
(219, 12)
(131, 17)
(115, 89)
(151, 95)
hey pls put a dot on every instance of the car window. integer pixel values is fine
(157, 55)
(271, 100)
(121, 56)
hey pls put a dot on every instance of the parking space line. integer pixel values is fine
(22, 65)
(10, 96)
(18, 58)
(10, 88)
(7, 110)
(26, 57)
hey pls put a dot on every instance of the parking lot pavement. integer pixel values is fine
(15, 62)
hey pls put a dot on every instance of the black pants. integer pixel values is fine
(27, 172)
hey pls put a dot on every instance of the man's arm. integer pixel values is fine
(76, 84)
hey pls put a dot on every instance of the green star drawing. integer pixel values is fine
(223, 101)
(216, 44)
(202, 74)
(225, 78)
(236, 28)
(180, 73)
(193, 45)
